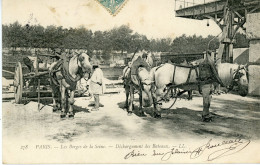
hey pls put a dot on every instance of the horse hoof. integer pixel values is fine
(71, 116)
(142, 113)
(157, 116)
(206, 118)
(94, 109)
(62, 116)
(129, 113)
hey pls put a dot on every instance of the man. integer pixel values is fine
(96, 86)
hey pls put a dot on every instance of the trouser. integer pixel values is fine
(206, 92)
(96, 98)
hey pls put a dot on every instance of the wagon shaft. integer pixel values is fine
(34, 75)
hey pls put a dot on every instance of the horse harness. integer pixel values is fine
(136, 77)
(60, 71)
(236, 76)
(206, 73)
(133, 73)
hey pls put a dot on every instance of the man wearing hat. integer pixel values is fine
(96, 86)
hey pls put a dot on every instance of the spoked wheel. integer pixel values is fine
(18, 83)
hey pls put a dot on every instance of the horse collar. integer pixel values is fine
(67, 75)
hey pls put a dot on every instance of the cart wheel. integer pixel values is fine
(18, 83)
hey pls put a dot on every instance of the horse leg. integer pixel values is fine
(59, 100)
(189, 94)
(157, 106)
(157, 112)
(63, 101)
(130, 106)
(217, 89)
(127, 90)
(141, 103)
(153, 96)
(54, 93)
(55, 107)
(154, 101)
(71, 103)
(206, 93)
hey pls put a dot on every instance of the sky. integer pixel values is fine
(153, 18)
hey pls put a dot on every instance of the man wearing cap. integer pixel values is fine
(96, 86)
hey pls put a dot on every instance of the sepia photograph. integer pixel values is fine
(130, 81)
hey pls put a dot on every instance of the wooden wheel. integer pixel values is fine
(18, 83)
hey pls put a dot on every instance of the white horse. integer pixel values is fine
(64, 75)
(189, 78)
(137, 76)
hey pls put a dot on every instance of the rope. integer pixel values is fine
(172, 104)
(177, 95)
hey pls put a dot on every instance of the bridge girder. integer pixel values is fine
(229, 15)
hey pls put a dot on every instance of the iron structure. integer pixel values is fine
(229, 15)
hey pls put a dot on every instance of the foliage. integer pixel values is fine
(117, 39)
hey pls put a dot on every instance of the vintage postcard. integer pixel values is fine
(130, 81)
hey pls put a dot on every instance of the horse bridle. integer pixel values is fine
(79, 64)
(143, 82)
(236, 76)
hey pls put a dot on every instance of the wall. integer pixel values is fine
(253, 34)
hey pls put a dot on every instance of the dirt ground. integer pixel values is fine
(234, 116)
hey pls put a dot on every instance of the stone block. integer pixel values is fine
(253, 26)
(254, 80)
(241, 56)
(254, 51)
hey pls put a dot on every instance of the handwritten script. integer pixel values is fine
(210, 149)
(225, 148)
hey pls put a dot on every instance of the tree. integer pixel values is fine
(14, 35)
(193, 44)
(5, 36)
(51, 37)
(121, 38)
(35, 36)
(98, 41)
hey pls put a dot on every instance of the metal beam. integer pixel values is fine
(231, 15)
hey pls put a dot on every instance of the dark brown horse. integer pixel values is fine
(64, 75)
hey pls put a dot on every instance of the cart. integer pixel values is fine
(35, 84)
(32, 84)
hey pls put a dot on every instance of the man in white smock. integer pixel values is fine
(97, 85)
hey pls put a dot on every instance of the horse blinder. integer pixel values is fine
(81, 58)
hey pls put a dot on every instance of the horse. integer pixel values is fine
(148, 57)
(64, 75)
(191, 78)
(137, 76)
